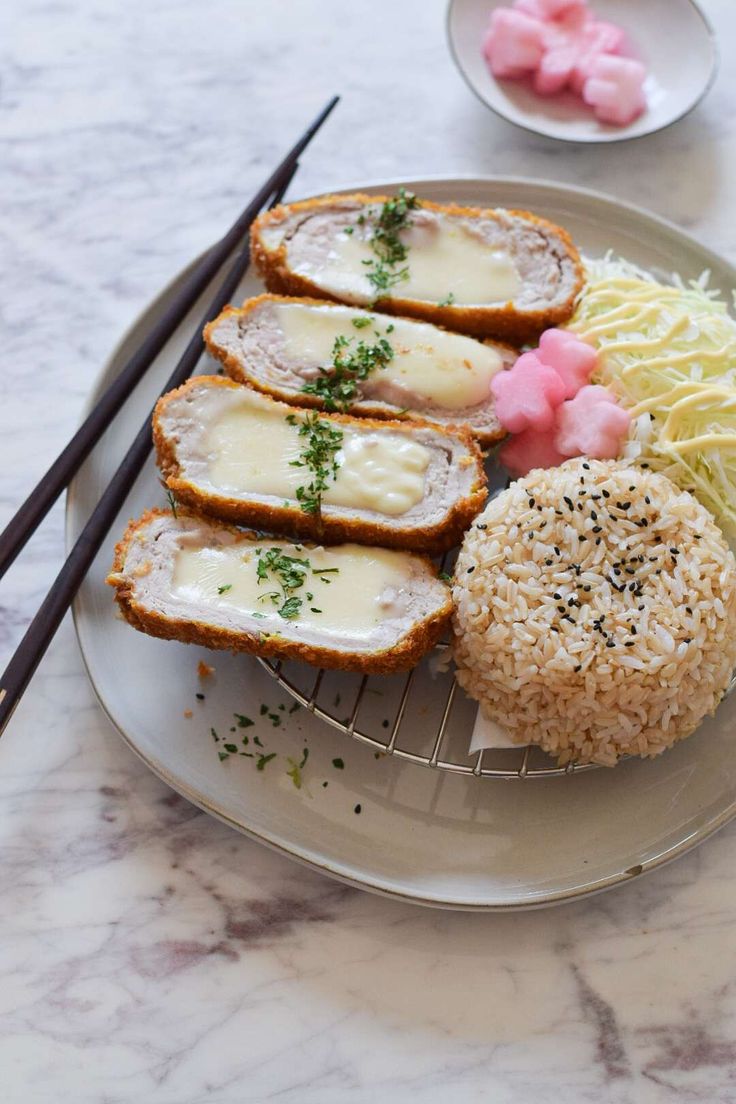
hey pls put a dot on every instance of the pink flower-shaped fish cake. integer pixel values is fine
(531, 449)
(592, 424)
(527, 395)
(594, 40)
(571, 358)
(548, 9)
(514, 43)
(614, 88)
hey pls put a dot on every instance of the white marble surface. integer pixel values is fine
(148, 953)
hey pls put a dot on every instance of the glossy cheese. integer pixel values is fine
(444, 258)
(445, 369)
(360, 588)
(251, 448)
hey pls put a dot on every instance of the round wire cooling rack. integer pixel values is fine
(422, 717)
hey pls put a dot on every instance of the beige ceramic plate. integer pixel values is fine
(432, 838)
(672, 37)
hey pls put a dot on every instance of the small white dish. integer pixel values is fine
(672, 37)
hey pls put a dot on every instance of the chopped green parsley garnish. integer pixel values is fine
(224, 589)
(319, 455)
(295, 769)
(389, 250)
(172, 502)
(263, 759)
(289, 574)
(448, 301)
(446, 578)
(351, 364)
(243, 721)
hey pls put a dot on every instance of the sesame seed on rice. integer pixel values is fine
(575, 685)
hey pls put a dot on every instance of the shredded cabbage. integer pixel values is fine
(668, 352)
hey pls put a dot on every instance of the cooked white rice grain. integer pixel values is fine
(607, 625)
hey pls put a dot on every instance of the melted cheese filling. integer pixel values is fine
(361, 587)
(433, 365)
(251, 448)
(445, 259)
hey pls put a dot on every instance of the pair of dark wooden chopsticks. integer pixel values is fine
(41, 631)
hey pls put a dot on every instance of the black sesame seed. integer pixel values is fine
(199, 697)
(568, 501)
(557, 597)
(632, 587)
(578, 668)
(630, 570)
(561, 609)
(548, 563)
(640, 608)
(557, 551)
(587, 467)
(648, 500)
(675, 551)
(632, 487)
(471, 570)
(587, 588)
(571, 601)
(481, 526)
(688, 639)
(632, 630)
(629, 643)
(610, 643)
(623, 506)
(580, 505)
(597, 528)
(582, 537)
(595, 498)
(567, 617)
(597, 540)
(594, 515)
(605, 493)
(688, 610)
(531, 503)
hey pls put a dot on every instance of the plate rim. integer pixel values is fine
(529, 128)
(294, 852)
